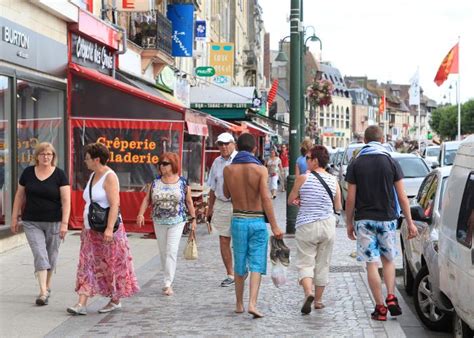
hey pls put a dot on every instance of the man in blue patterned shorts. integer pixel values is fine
(245, 182)
(376, 192)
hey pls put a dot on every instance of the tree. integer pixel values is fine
(444, 120)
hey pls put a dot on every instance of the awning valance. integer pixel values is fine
(94, 75)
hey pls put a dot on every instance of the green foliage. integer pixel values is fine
(444, 120)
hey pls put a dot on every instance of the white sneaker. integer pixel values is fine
(110, 307)
(77, 309)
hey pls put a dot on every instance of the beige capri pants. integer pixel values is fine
(314, 243)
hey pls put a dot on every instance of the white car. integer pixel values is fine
(414, 171)
(447, 153)
(430, 154)
(419, 253)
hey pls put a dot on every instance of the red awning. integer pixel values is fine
(94, 75)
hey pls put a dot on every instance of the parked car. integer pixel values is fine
(430, 154)
(456, 239)
(419, 253)
(336, 161)
(414, 170)
(447, 154)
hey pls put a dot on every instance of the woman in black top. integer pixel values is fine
(44, 196)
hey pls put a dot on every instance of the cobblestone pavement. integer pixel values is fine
(201, 307)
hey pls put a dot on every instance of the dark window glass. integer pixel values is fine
(466, 214)
(5, 94)
(192, 158)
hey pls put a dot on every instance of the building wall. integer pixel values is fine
(335, 122)
(35, 18)
(239, 17)
(360, 118)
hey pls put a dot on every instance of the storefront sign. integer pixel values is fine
(200, 30)
(133, 5)
(91, 54)
(22, 46)
(222, 105)
(205, 71)
(15, 37)
(222, 59)
(182, 20)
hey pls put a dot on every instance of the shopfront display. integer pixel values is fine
(32, 104)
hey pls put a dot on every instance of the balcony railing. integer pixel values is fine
(152, 32)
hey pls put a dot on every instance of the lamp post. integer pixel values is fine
(295, 105)
(313, 38)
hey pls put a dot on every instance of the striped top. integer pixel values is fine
(315, 203)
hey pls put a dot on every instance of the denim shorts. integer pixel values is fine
(250, 244)
(375, 238)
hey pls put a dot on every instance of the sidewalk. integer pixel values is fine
(199, 307)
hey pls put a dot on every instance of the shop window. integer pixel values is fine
(192, 158)
(465, 226)
(5, 188)
(40, 112)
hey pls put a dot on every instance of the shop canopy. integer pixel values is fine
(258, 130)
(227, 103)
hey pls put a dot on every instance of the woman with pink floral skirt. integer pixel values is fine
(105, 262)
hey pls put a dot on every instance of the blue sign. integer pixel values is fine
(182, 26)
(200, 32)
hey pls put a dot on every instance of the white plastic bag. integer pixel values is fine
(279, 272)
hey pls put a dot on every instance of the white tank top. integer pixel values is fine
(98, 196)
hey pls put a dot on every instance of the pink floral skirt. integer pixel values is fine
(105, 269)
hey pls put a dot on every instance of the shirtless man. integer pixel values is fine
(245, 182)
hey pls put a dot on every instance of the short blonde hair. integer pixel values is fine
(42, 147)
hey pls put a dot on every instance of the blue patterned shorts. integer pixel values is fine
(375, 238)
(250, 244)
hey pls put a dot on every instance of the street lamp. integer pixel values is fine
(281, 57)
(295, 105)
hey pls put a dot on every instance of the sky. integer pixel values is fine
(387, 40)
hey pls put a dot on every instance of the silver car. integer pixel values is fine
(419, 253)
(414, 170)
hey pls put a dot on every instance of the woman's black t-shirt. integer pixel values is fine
(43, 198)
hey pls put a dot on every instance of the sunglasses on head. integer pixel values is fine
(164, 163)
(223, 143)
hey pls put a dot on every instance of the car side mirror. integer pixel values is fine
(418, 214)
(434, 165)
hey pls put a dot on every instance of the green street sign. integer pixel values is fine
(205, 71)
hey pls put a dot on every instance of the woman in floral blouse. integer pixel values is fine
(169, 195)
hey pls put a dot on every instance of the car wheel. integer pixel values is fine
(408, 280)
(461, 330)
(433, 317)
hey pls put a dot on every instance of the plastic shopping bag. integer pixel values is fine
(279, 273)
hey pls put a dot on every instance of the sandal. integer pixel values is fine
(380, 313)
(393, 306)
(42, 300)
(318, 305)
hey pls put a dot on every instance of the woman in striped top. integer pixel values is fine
(315, 225)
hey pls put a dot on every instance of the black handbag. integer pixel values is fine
(97, 215)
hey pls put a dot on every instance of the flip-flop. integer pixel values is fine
(306, 308)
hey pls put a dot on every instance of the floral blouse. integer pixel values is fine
(169, 201)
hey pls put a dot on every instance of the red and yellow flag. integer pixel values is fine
(450, 65)
(382, 105)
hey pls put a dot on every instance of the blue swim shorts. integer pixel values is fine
(375, 238)
(250, 244)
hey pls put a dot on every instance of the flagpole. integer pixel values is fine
(458, 90)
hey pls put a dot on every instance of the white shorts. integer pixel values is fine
(221, 217)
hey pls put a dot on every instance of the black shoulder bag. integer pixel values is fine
(97, 215)
(325, 185)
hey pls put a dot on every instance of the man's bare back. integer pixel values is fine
(246, 185)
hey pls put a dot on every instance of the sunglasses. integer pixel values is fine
(223, 143)
(308, 158)
(164, 163)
